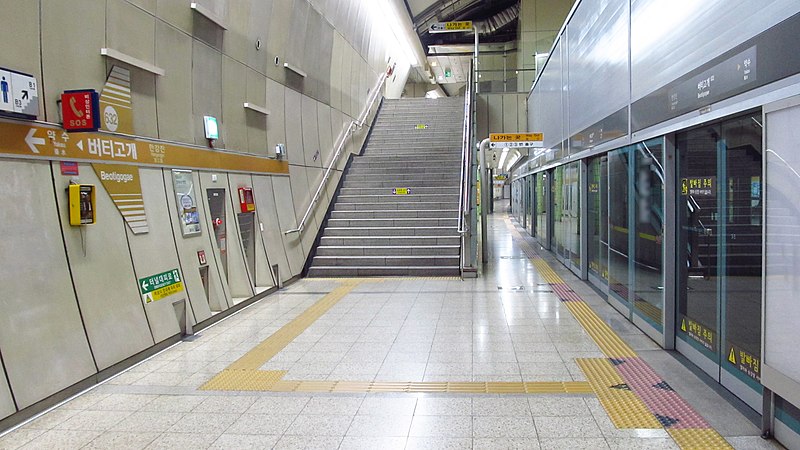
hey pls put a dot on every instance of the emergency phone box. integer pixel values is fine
(81, 204)
(246, 200)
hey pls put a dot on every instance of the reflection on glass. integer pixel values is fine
(541, 207)
(528, 187)
(720, 241)
(558, 211)
(743, 241)
(597, 210)
(571, 216)
(618, 279)
(649, 231)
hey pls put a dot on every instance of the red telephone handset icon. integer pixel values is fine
(75, 110)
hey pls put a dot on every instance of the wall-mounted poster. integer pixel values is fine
(187, 206)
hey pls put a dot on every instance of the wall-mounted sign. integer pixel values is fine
(80, 110)
(19, 93)
(401, 191)
(187, 206)
(50, 142)
(156, 287)
(699, 186)
(125, 188)
(451, 27)
(421, 126)
(69, 168)
(116, 105)
(211, 127)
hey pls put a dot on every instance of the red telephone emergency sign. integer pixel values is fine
(80, 110)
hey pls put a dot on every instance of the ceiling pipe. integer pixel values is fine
(499, 20)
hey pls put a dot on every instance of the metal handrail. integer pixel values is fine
(464, 203)
(463, 200)
(354, 125)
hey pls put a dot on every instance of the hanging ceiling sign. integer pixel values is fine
(516, 140)
(451, 27)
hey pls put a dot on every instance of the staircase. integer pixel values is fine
(374, 228)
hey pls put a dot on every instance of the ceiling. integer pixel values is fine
(426, 12)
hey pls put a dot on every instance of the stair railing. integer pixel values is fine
(354, 125)
(466, 181)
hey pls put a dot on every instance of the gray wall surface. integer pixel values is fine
(612, 54)
(72, 305)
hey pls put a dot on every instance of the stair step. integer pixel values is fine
(433, 176)
(391, 241)
(326, 271)
(413, 198)
(391, 261)
(387, 250)
(390, 231)
(425, 214)
(394, 222)
(414, 190)
(380, 183)
(339, 206)
(456, 169)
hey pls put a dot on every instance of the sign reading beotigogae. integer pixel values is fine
(53, 143)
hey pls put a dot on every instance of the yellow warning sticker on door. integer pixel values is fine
(732, 356)
(683, 325)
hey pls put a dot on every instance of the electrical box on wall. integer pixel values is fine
(246, 200)
(81, 204)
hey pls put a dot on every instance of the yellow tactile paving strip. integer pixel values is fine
(271, 346)
(610, 344)
(691, 439)
(623, 406)
(240, 380)
(244, 374)
(546, 271)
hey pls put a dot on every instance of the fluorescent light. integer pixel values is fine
(386, 16)
(503, 157)
(513, 160)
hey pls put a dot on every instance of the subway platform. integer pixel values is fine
(526, 356)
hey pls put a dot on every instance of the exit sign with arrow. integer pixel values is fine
(19, 94)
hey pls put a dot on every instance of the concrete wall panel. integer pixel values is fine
(67, 66)
(41, 336)
(233, 126)
(231, 267)
(287, 219)
(174, 89)
(103, 276)
(272, 235)
(201, 303)
(294, 128)
(257, 122)
(311, 150)
(206, 87)
(276, 131)
(7, 407)
(158, 241)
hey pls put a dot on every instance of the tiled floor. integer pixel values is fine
(409, 330)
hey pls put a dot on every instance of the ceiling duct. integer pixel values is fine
(499, 20)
